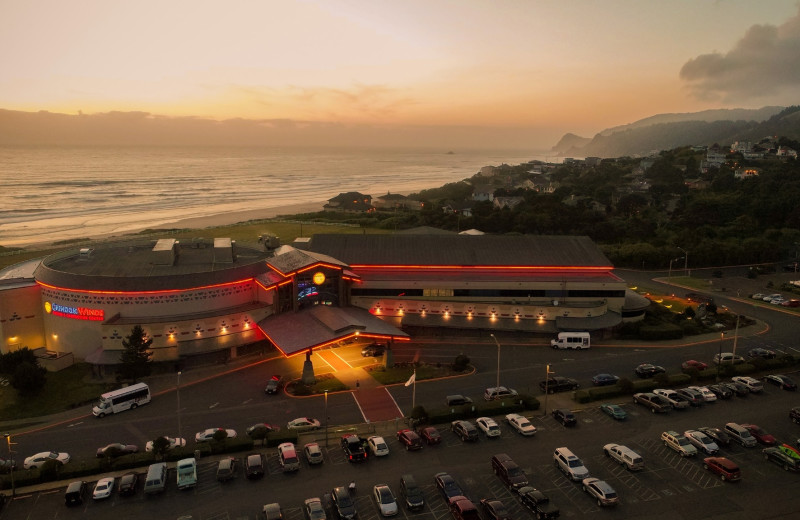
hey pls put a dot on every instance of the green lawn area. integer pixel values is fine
(401, 374)
(64, 390)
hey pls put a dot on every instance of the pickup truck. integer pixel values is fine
(538, 503)
(353, 447)
(656, 403)
(558, 384)
(187, 473)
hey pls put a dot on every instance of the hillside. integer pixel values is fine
(648, 135)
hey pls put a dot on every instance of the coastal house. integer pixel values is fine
(785, 151)
(463, 208)
(480, 193)
(395, 201)
(352, 201)
(745, 173)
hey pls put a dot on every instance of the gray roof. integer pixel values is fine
(461, 250)
(288, 259)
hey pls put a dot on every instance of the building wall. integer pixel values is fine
(21, 315)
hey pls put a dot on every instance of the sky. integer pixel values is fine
(533, 68)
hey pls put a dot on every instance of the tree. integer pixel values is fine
(161, 446)
(135, 358)
(28, 378)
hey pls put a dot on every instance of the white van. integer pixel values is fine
(156, 479)
(573, 340)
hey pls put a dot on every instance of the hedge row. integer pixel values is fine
(480, 409)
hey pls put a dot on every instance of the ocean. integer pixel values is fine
(61, 193)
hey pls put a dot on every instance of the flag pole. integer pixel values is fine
(414, 392)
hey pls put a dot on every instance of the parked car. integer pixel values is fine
(737, 388)
(719, 436)
(353, 448)
(343, 503)
(313, 509)
(781, 458)
(614, 411)
(601, 491)
(538, 503)
(274, 385)
(302, 424)
(116, 449)
(757, 296)
(604, 379)
(770, 297)
(761, 353)
(488, 426)
(761, 435)
(127, 484)
(673, 398)
(791, 303)
(693, 364)
(378, 446)
(465, 430)
(447, 485)
(313, 453)
(570, 464)
(646, 370)
(565, 417)
(558, 384)
(499, 392)
(373, 350)
(462, 508)
(38, 460)
(430, 435)
(174, 442)
(521, 424)
(781, 381)
(725, 468)
(656, 403)
(625, 456)
(752, 384)
(727, 358)
(494, 509)
(226, 469)
(694, 397)
(508, 471)
(208, 434)
(260, 430)
(721, 391)
(794, 414)
(411, 493)
(679, 443)
(409, 439)
(702, 442)
(254, 466)
(708, 395)
(103, 488)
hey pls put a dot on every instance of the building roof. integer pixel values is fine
(461, 250)
(288, 259)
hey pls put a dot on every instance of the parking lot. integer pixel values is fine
(669, 487)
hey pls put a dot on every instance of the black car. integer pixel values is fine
(779, 457)
(719, 436)
(254, 465)
(762, 353)
(373, 350)
(538, 503)
(343, 503)
(737, 388)
(465, 430)
(647, 370)
(722, 392)
(448, 486)
(781, 381)
(411, 493)
(353, 448)
(127, 484)
(794, 415)
(494, 509)
(558, 384)
(274, 385)
(565, 417)
(604, 379)
(409, 439)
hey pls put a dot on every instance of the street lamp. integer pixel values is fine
(685, 261)
(178, 411)
(670, 266)
(11, 458)
(498, 360)
(546, 388)
(326, 419)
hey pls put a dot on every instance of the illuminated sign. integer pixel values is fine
(76, 313)
(319, 278)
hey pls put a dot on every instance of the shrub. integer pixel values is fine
(419, 413)
(661, 380)
(625, 385)
(660, 332)
(461, 363)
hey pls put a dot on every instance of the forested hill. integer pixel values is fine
(644, 137)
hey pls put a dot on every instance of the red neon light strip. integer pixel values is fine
(487, 267)
(164, 291)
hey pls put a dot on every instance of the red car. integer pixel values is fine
(725, 468)
(409, 439)
(692, 364)
(791, 303)
(761, 436)
(431, 435)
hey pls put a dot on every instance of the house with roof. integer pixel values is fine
(463, 208)
(483, 192)
(395, 201)
(351, 201)
(745, 173)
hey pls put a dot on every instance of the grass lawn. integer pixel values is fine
(63, 390)
(401, 374)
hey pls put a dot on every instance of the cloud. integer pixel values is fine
(764, 64)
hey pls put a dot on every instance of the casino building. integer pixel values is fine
(213, 299)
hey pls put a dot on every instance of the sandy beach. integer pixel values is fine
(235, 217)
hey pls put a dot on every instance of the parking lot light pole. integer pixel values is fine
(326, 419)
(546, 388)
(498, 360)
(719, 356)
(11, 458)
(178, 411)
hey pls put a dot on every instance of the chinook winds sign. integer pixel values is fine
(76, 313)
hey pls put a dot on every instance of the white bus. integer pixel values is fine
(572, 340)
(123, 399)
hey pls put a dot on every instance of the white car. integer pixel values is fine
(36, 461)
(313, 453)
(488, 426)
(702, 441)
(174, 442)
(672, 396)
(708, 395)
(758, 296)
(771, 297)
(378, 446)
(752, 384)
(207, 435)
(385, 499)
(521, 424)
(303, 424)
(103, 488)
